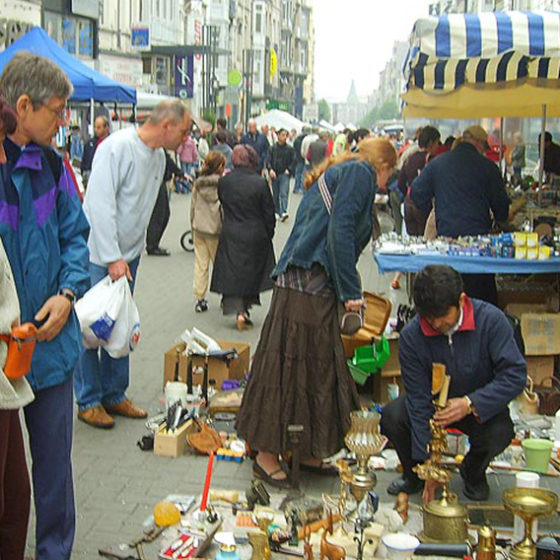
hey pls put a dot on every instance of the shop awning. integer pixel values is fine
(88, 84)
(496, 64)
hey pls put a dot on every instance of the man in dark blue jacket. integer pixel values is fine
(258, 141)
(475, 342)
(101, 131)
(468, 191)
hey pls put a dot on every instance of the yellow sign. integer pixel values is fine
(273, 63)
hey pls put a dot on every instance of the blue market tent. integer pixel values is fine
(88, 84)
(495, 64)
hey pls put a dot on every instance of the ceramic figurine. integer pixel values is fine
(330, 551)
(401, 506)
(307, 550)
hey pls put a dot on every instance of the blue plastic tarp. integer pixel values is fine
(88, 84)
(466, 265)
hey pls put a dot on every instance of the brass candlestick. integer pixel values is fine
(529, 504)
(364, 440)
(444, 520)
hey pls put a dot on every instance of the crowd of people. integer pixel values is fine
(54, 248)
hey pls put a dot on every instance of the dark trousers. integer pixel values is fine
(481, 286)
(49, 421)
(415, 219)
(15, 492)
(159, 219)
(486, 440)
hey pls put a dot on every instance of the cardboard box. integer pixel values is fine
(217, 369)
(518, 309)
(174, 444)
(539, 368)
(541, 333)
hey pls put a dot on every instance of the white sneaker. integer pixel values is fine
(285, 216)
(278, 217)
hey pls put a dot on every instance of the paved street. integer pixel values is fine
(116, 484)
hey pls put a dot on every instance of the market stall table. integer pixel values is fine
(467, 265)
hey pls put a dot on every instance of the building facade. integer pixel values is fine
(233, 58)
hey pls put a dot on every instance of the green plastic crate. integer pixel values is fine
(359, 376)
(372, 357)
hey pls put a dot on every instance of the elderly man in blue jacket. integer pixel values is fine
(475, 342)
(44, 232)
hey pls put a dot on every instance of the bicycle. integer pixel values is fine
(187, 241)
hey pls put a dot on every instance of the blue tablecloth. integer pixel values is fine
(467, 265)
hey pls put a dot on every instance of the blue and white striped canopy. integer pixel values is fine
(485, 50)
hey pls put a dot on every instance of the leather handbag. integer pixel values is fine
(206, 440)
(549, 397)
(21, 345)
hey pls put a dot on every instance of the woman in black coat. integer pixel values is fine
(245, 256)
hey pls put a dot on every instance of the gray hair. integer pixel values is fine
(35, 76)
(172, 109)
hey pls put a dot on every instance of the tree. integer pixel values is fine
(388, 110)
(324, 110)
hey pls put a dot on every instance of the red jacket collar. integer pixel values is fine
(467, 324)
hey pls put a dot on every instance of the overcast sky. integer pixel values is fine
(354, 40)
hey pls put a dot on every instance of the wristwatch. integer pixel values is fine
(68, 294)
(472, 409)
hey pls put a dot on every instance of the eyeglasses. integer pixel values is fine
(60, 115)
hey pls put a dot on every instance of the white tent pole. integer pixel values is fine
(502, 167)
(91, 116)
(541, 154)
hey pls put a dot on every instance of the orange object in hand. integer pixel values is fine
(21, 345)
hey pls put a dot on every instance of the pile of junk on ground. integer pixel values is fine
(203, 386)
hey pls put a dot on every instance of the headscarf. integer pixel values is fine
(245, 156)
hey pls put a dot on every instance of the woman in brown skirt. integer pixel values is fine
(299, 373)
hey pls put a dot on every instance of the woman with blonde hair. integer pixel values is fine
(299, 373)
(206, 223)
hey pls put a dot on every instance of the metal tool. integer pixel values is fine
(115, 556)
(294, 435)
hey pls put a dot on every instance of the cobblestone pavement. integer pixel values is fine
(116, 483)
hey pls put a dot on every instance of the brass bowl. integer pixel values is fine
(530, 502)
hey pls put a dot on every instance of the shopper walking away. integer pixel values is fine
(299, 171)
(280, 165)
(206, 223)
(223, 148)
(299, 373)
(44, 236)
(245, 256)
(119, 205)
(188, 156)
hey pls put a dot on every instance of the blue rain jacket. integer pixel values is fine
(45, 234)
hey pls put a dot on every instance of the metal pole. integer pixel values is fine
(502, 166)
(91, 116)
(541, 154)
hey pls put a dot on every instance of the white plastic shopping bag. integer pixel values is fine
(109, 317)
(126, 332)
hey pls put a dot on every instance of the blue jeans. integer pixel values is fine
(98, 378)
(49, 421)
(280, 191)
(299, 177)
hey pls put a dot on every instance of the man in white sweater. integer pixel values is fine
(127, 171)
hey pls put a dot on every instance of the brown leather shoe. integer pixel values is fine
(97, 417)
(128, 409)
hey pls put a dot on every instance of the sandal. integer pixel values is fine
(395, 284)
(259, 472)
(324, 469)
